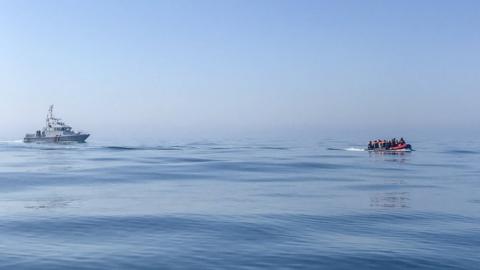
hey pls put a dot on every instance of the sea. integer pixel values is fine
(239, 204)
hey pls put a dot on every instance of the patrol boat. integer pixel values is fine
(56, 131)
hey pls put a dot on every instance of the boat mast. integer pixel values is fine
(49, 116)
(51, 111)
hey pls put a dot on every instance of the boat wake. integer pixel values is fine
(355, 149)
(12, 141)
(352, 149)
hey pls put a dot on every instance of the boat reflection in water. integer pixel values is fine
(390, 200)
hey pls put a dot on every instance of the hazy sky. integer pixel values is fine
(241, 68)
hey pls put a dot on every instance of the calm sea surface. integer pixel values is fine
(239, 205)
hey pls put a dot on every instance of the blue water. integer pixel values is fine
(239, 205)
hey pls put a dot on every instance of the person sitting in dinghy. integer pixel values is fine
(370, 145)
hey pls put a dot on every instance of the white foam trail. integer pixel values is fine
(12, 141)
(354, 149)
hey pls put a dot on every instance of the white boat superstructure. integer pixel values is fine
(56, 130)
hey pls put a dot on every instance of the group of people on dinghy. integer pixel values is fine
(392, 144)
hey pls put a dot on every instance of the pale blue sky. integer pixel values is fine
(241, 68)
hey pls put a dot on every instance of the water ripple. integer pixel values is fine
(238, 205)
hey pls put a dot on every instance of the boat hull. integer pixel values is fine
(80, 138)
(403, 150)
